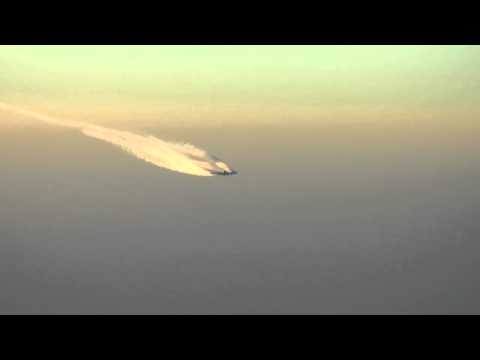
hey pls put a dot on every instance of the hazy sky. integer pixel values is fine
(356, 192)
(244, 85)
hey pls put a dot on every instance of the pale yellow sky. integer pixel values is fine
(139, 86)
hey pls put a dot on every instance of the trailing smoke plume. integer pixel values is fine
(180, 157)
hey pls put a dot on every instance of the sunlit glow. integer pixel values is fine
(179, 157)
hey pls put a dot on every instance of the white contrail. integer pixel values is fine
(180, 157)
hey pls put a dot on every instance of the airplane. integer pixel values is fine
(224, 173)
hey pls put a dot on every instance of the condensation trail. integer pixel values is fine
(179, 157)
